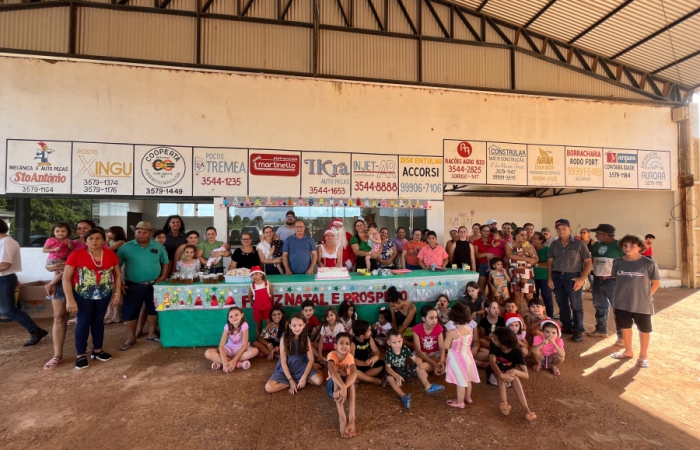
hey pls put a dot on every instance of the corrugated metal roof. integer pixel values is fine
(649, 35)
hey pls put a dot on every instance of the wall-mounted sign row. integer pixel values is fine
(84, 168)
(498, 163)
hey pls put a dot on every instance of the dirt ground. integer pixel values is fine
(158, 398)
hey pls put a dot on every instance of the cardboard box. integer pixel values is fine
(37, 309)
(33, 290)
(32, 296)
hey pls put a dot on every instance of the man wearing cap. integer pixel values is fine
(453, 238)
(287, 229)
(548, 238)
(605, 250)
(493, 225)
(568, 265)
(145, 263)
(299, 251)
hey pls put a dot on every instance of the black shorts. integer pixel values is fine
(406, 372)
(624, 320)
(377, 364)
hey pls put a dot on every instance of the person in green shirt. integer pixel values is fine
(206, 249)
(539, 242)
(604, 251)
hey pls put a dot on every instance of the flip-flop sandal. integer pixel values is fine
(216, 366)
(52, 363)
(556, 371)
(505, 408)
(153, 339)
(643, 363)
(126, 346)
(455, 404)
(537, 367)
(109, 322)
(531, 416)
(620, 356)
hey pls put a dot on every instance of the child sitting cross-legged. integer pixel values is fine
(428, 340)
(342, 374)
(507, 366)
(548, 348)
(234, 351)
(398, 371)
(366, 353)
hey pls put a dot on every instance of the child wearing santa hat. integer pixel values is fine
(548, 348)
(515, 322)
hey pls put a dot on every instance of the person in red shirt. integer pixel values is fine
(649, 239)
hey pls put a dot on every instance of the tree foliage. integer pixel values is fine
(46, 212)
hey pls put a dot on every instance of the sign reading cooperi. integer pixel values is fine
(163, 170)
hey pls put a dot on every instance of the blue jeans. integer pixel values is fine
(91, 315)
(569, 301)
(602, 301)
(546, 296)
(8, 306)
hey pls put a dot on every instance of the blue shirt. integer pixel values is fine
(299, 251)
(142, 263)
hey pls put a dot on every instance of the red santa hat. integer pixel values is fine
(256, 269)
(336, 221)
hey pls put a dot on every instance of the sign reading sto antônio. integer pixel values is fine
(38, 167)
(540, 165)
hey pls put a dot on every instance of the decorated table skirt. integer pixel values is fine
(194, 315)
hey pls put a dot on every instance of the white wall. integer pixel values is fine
(630, 212)
(470, 210)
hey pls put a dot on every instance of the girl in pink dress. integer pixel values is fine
(460, 367)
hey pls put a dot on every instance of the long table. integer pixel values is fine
(194, 315)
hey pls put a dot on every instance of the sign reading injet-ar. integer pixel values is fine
(38, 167)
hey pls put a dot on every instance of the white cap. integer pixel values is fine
(491, 221)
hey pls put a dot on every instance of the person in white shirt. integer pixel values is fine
(10, 266)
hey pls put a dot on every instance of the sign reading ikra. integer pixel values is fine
(325, 174)
(545, 165)
(464, 162)
(103, 169)
(220, 172)
(420, 177)
(375, 176)
(506, 163)
(163, 170)
(41, 167)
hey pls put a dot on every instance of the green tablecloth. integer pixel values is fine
(184, 325)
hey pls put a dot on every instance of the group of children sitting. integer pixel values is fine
(453, 342)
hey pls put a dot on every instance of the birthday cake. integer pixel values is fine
(332, 273)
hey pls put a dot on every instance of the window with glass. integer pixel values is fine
(318, 219)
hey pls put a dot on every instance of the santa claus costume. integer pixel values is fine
(342, 238)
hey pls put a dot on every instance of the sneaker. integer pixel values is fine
(36, 336)
(577, 337)
(245, 365)
(82, 363)
(101, 356)
(406, 400)
(435, 389)
(597, 334)
(492, 380)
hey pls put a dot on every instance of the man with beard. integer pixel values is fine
(287, 229)
(342, 238)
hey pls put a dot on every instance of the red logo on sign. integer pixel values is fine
(276, 165)
(464, 149)
(611, 158)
